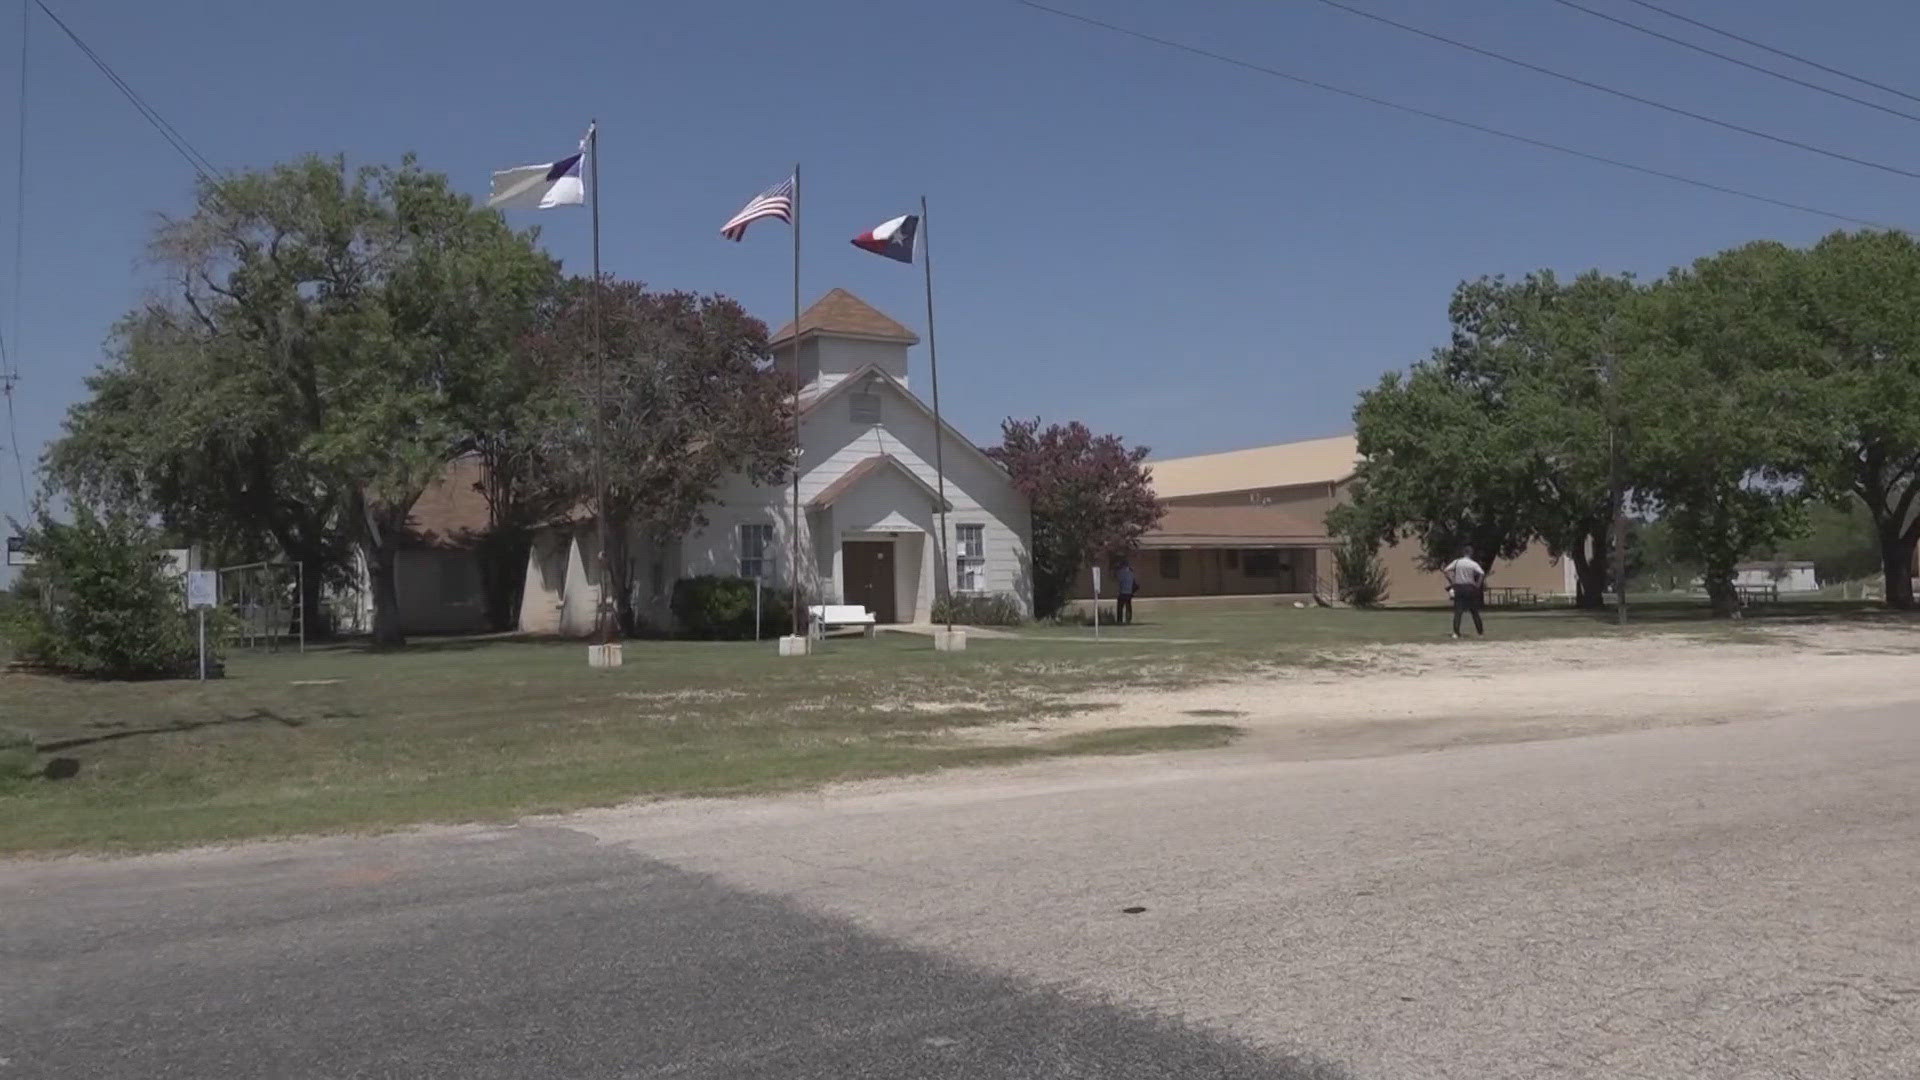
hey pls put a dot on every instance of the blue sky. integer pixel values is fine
(1194, 256)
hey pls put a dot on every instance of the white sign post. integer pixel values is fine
(1096, 601)
(203, 592)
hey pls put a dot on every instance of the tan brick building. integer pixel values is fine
(1253, 522)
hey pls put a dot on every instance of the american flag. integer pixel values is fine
(775, 202)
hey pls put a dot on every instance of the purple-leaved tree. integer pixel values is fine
(1092, 498)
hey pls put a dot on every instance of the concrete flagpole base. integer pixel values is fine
(604, 656)
(954, 640)
(796, 645)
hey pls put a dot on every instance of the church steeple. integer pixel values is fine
(841, 334)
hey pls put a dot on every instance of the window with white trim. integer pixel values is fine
(756, 552)
(970, 558)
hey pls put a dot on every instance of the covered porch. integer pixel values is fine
(1259, 570)
(1229, 551)
(875, 539)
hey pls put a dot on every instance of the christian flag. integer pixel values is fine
(894, 239)
(540, 187)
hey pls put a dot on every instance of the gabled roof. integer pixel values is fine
(842, 314)
(452, 512)
(813, 401)
(1315, 461)
(866, 467)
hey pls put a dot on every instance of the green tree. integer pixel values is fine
(1436, 470)
(329, 324)
(1842, 541)
(1091, 495)
(691, 399)
(1500, 439)
(101, 599)
(1360, 575)
(178, 425)
(1653, 561)
(1855, 325)
(1714, 420)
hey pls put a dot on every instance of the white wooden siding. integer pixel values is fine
(831, 445)
(882, 503)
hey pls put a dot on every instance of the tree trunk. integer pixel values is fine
(625, 620)
(1720, 592)
(1591, 568)
(1896, 563)
(313, 612)
(381, 578)
(1582, 594)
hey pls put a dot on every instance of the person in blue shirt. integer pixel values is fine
(1124, 586)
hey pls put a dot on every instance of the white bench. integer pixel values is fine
(839, 616)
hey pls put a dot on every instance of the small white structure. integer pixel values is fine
(869, 528)
(1786, 576)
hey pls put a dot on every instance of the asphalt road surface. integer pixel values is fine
(1739, 900)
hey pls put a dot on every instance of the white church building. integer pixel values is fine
(869, 525)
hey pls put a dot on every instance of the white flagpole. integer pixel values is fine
(602, 627)
(795, 528)
(941, 547)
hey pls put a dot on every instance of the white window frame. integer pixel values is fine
(970, 558)
(760, 563)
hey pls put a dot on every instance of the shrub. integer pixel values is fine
(18, 760)
(715, 608)
(1076, 615)
(1361, 575)
(101, 599)
(979, 609)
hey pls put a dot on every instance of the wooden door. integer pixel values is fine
(868, 568)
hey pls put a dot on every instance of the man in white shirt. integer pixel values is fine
(1465, 580)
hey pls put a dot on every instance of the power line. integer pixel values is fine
(1710, 28)
(207, 169)
(1444, 119)
(10, 364)
(1622, 94)
(13, 437)
(1781, 75)
(19, 195)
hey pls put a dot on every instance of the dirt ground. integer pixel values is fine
(1398, 699)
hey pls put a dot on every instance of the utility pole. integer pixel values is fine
(1618, 492)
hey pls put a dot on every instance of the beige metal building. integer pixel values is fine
(1253, 522)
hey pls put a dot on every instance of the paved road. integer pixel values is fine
(1731, 901)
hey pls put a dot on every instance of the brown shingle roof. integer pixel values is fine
(1233, 526)
(866, 467)
(451, 512)
(844, 314)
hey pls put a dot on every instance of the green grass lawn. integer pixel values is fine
(344, 739)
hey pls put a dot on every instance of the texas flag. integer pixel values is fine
(893, 239)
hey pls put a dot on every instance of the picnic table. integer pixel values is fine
(1755, 594)
(1509, 595)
